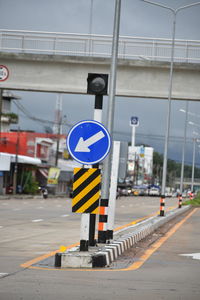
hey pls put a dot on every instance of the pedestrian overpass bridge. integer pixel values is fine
(187, 182)
(57, 62)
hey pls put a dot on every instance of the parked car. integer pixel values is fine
(154, 192)
(126, 192)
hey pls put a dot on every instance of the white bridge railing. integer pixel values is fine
(20, 41)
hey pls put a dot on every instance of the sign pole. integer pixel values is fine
(133, 136)
(84, 233)
(134, 123)
(113, 189)
(97, 117)
(88, 142)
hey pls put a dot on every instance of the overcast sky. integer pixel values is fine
(137, 19)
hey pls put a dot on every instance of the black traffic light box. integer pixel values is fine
(97, 84)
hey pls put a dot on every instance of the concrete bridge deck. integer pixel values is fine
(68, 74)
(60, 62)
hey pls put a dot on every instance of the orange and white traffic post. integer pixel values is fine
(162, 206)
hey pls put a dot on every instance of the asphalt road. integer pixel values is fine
(31, 228)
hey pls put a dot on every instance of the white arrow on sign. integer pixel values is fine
(82, 146)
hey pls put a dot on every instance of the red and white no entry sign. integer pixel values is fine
(4, 73)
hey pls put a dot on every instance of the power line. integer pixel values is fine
(138, 135)
(30, 116)
(153, 136)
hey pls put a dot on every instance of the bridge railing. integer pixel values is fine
(20, 41)
(196, 181)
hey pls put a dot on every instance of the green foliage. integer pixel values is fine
(13, 118)
(173, 169)
(194, 202)
(30, 184)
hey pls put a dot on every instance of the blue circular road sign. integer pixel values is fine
(88, 142)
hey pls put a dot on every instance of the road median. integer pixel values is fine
(103, 255)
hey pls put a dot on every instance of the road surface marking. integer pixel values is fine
(193, 255)
(29, 263)
(136, 265)
(37, 220)
(3, 275)
(63, 216)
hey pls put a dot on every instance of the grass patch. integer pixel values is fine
(194, 202)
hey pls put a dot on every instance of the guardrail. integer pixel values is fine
(20, 41)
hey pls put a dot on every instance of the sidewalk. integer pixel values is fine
(24, 196)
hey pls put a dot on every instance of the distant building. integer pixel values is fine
(140, 164)
(7, 117)
(28, 149)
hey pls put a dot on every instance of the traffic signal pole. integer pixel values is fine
(97, 117)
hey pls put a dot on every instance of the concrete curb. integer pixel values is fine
(104, 255)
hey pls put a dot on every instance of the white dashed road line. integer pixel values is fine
(37, 220)
(63, 216)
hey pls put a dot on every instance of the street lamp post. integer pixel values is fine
(183, 150)
(195, 140)
(90, 27)
(110, 113)
(174, 12)
(193, 163)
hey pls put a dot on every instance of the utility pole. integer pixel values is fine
(57, 125)
(58, 142)
(16, 164)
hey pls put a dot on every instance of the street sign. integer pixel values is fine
(86, 190)
(88, 142)
(134, 121)
(142, 151)
(4, 73)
